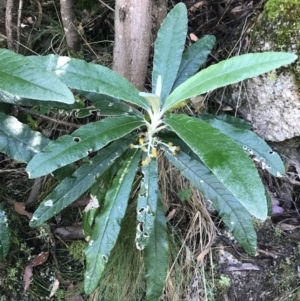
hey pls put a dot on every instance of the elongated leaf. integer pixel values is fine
(147, 204)
(88, 216)
(21, 77)
(96, 97)
(193, 58)
(228, 72)
(168, 50)
(233, 214)
(18, 141)
(6, 97)
(156, 255)
(71, 188)
(251, 143)
(108, 108)
(4, 234)
(225, 159)
(90, 137)
(235, 121)
(108, 223)
(80, 75)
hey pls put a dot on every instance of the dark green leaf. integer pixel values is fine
(21, 77)
(80, 75)
(108, 108)
(147, 203)
(225, 159)
(18, 141)
(88, 216)
(193, 58)
(4, 235)
(251, 143)
(228, 72)
(237, 122)
(168, 50)
(108, 223)
(70, 189)
(90, 137)
(97, 97)
(156, 255)
(233, 214)
(15, 100)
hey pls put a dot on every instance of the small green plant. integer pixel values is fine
(224, 282)
(212, 152)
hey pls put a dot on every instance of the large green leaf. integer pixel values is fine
(156, 255)
(147, 203)
(228, 72)
(90, 137)
(18, 141)
(193, 58)
(251, 143)
(71, 188)
(225, 159)
(108, 223)
(98, 192)
(6, 97)
(168, 50)
(4, 234)
(80, 75)
(21, 77)
(233, 214)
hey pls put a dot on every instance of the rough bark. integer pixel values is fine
(133, 22)
(9, 24)
(69, 23)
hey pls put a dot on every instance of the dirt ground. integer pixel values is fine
(273, 274)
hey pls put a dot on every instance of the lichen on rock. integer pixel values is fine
(272, 101)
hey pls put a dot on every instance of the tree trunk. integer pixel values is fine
(69, 23)
(9, 24)
(133, 22)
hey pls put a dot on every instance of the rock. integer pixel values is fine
(272, 105)
(271, 102)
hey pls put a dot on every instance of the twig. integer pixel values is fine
(35, 191)
(106, 5)
(19, 24)
(69, 124)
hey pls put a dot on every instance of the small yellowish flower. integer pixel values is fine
(141, 140)
(154, 152)
(146, 161)
(131, 145)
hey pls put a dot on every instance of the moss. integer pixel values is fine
(77, 249)
(284, 14)
(280, 27)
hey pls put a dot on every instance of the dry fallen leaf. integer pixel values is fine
(193, 37)
(288, 227)
(201, 256)
(237, 10)
(197, 5)
(20, 208)
(27, 277)
(54, 288)
(171, 214)
(39, 259)
(242, 267)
